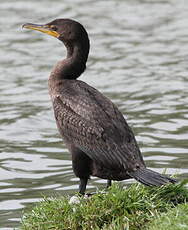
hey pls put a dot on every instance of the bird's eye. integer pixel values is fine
(54, 28)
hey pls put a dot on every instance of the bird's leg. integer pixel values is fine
(109, 183)
(81, 166)
(82, 186)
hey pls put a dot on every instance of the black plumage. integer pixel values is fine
(94, 130)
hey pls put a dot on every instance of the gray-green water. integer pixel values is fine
(138, 58)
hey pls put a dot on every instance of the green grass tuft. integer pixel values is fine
(132, 208)
(175, 219)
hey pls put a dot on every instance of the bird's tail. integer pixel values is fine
(151, 178)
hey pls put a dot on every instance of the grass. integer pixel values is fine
(175, 219)
(133, 208)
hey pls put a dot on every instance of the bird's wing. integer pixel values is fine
(93, 123)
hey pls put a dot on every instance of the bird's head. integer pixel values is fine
(76, 40)
(66, 30)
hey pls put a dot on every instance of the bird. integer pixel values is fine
(95, 132)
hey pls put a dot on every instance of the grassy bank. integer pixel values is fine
(133, 208)
(174, 219)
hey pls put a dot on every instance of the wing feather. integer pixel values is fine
(94, 124)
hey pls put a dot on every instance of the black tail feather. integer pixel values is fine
(151, 178)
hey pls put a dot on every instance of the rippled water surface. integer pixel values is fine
(138, 58)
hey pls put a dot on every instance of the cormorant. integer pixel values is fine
(95, 132)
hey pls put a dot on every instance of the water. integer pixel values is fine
(138, 58)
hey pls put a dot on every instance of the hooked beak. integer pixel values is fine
(47, 29)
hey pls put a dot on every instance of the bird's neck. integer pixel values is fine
(73, 66)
